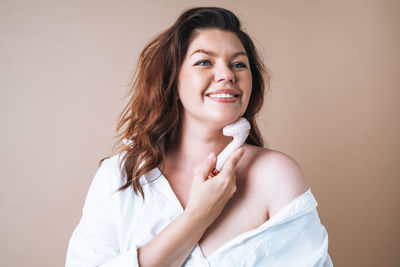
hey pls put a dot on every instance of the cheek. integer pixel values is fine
(183, 84)
(192, 83)
(248, 84)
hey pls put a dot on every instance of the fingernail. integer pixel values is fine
(211, 155)
(244, 148)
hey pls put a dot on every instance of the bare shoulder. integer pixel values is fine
(278, 177)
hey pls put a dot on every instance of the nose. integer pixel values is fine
(224, 73)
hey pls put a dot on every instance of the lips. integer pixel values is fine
(223, 95)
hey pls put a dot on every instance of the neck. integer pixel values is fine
(195, 142)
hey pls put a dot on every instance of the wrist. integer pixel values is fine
(195, 221)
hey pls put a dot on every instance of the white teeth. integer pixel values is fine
(222, 95)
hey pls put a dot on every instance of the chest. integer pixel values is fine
(245, 211)
(242, 213)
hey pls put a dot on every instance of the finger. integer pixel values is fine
(208, 166)
(231, 163)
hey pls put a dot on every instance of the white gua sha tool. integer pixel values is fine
(239, 130)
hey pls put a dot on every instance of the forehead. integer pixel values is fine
(215, 40)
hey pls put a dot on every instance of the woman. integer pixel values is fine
(155, 204)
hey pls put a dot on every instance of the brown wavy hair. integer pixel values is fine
(150, 120)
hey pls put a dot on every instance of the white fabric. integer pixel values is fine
(114, 224)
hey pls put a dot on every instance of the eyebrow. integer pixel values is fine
(210, 53)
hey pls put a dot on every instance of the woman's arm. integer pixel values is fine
(207, 198)
(173, 244)
(95, 240)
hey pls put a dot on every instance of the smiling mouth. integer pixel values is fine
(223, 97)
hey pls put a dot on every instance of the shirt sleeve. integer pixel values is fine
(95, 241)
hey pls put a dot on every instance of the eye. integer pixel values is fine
(239, 65)
(203, 63)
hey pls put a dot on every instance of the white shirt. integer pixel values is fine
(115, 224)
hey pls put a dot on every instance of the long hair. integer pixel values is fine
(150, 119)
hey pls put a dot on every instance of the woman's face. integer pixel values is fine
(214, 82)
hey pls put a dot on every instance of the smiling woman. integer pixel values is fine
(214, 72)
(156, 204)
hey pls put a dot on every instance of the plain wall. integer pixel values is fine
(333, 106)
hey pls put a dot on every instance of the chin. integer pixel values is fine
(223, 120)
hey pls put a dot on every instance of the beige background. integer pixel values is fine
(333, 107)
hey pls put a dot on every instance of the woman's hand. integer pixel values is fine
(208, 196)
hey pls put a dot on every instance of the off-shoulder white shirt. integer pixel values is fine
(116, 223)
